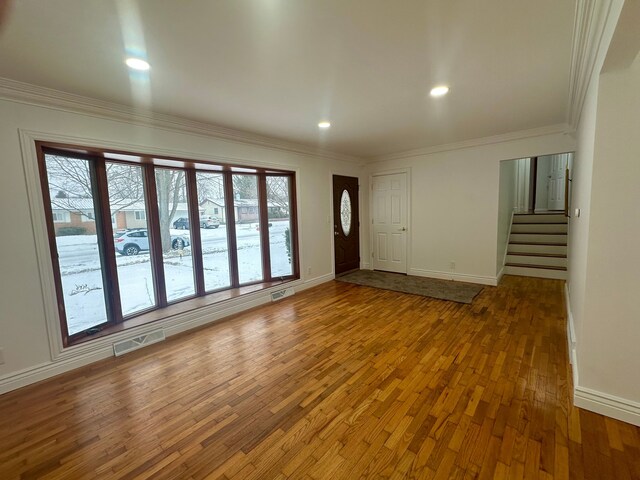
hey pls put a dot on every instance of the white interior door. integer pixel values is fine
(556, 182)
(390, 222)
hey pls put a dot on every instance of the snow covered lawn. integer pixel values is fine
(82, 276)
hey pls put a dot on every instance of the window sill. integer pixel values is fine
(179, 308)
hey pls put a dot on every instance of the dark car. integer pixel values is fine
(181, 224)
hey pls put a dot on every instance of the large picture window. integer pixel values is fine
(131, 234)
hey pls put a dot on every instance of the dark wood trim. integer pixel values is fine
(69, 150)
(548, 244)
(98, 158)
(263, 215)
(55, 262)
(196, 238)
(534, 185)
(533, 265)
(104, 234)
(293, 229)
(153, 227)
(231, 228)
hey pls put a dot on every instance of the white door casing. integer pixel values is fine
(556, 182)
(389, 222)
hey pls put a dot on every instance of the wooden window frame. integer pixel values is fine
(104, 228)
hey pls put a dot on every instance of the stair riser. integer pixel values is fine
(548, 261)
(538, 249)
(539, 218)
(535, 272)
(542, 228)
(533, 237)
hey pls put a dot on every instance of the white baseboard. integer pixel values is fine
(459, 277)
(587, 398)
(313, 282)
(571, 337)
(365, 266)
(172, 326)
(608, 405)
(500, 275)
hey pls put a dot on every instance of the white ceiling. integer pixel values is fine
(277, 67)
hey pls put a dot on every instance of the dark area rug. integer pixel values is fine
(427, 287)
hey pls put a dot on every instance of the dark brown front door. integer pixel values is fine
(346, 223)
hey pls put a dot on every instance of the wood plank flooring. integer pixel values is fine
(338, 382)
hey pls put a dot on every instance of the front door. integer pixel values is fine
(390, 222)
(346, 224)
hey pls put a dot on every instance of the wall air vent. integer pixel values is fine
(131, 344)
(287, 292)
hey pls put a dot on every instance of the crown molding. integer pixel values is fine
(594, 23)
(561, 128)
(26, 93)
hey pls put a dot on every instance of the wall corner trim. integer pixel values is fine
(25, 93)
(608, 405)
(561, 128)
(571, 337)
(458, 277)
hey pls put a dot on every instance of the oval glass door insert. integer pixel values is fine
(345, 212)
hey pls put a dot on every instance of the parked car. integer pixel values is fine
(134, 241)
(181, 224)
(209, 222)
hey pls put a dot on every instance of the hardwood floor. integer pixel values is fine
(338, 382)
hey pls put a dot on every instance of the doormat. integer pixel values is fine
(427, 287)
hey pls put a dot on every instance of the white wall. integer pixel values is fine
(608, 352)
(506, 202)
(604, 279)
(455, 196)
(578, 233)
(23, 329)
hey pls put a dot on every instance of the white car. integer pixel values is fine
(136, 240)
(209, 222)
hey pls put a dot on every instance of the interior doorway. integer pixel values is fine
(389, 222)
(346, 224)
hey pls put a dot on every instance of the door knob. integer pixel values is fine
(335, 233)
(403, 229)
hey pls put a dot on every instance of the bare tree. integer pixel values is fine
(245, 186)
(70, 180)
(210, 186)
(278, 194)
(171, 190)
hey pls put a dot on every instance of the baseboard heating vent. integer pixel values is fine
(131, 344)
(287, 292)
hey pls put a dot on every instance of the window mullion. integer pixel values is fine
(196, 237)
(105, 239)
(263, 212)
(231, 229)
(155, 241)
(293, 230)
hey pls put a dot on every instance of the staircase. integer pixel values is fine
(538, 246)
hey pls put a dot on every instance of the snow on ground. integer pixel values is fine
(82, 275)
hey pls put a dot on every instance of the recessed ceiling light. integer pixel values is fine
(137, 64)
(324, 125)
(439, 91)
